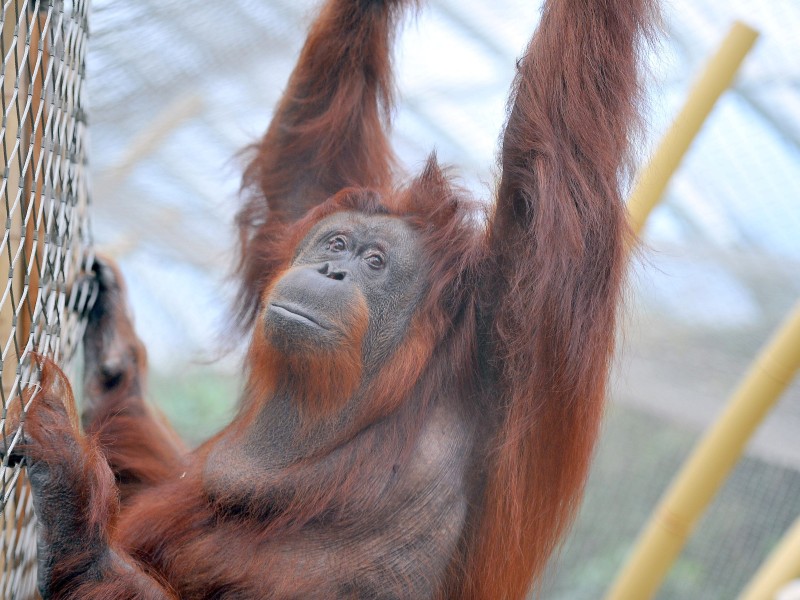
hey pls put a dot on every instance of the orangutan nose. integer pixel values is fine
(331, 272)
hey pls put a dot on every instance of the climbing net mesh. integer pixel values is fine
(44, 192)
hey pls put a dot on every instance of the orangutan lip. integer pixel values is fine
(294, 312)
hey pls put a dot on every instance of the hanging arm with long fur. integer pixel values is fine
(557, 254)
(329, 132)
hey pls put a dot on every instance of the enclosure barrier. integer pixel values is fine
(44, 192)
(715, 79)
(710, 463)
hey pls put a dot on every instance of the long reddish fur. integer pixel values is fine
(557, 241)
(550, 264)
(517, 320)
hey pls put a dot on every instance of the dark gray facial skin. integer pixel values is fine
(347, 259)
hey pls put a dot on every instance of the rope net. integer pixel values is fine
(44, 192)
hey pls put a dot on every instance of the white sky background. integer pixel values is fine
(165, 187)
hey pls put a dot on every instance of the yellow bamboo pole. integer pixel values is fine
(782, 565)
(661, 542)
(715, 79)
(709, 465)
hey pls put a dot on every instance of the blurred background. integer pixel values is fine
(178, 88)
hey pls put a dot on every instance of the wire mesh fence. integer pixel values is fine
(46, 242)
(638, 454)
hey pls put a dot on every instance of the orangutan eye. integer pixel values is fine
(375, 261)
(337, 244)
